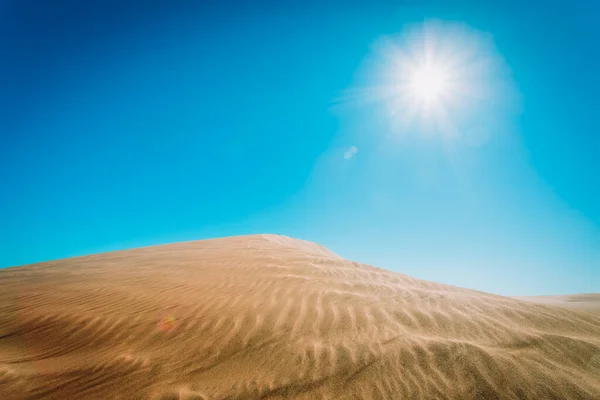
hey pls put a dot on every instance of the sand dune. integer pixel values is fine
(269, 317)
(583, 301)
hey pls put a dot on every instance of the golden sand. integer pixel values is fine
(270, 317)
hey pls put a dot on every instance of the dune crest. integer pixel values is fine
(271, 317)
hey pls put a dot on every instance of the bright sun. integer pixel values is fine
(435, 77)
(429, 82)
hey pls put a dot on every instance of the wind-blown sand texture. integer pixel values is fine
(269, 317)
(584, 301)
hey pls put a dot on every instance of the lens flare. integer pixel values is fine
(167, 323)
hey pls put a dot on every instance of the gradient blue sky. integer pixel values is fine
(127, 123)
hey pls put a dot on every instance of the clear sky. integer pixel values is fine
(128, 123)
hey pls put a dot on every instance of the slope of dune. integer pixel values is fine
(269, 317)
(583, 301)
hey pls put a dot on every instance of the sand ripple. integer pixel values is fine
(270, 317)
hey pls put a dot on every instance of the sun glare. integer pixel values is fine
(429, 82)
(435, 78)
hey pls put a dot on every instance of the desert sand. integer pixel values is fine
(270, 317)
(583, 301)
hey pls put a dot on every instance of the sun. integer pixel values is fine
(435, 78)
(429, 82)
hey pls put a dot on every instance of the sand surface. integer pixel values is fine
(269, 317)
(583, 301)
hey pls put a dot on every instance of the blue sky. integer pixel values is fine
(125, 124)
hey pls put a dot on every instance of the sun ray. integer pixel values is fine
(435, 77)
